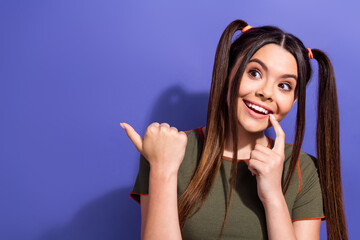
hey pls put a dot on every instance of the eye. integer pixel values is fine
(254, 73)
(285, 86)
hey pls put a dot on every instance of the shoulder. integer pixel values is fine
(195, 137)
(306, 170)
(306, 166)
(191, 158)
(195, 133)
(306, 160)
(195, 140)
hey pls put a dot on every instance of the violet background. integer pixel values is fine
(71, 71)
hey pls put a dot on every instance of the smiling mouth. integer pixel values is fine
(257, 109)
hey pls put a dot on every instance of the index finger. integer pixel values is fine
(280, 135)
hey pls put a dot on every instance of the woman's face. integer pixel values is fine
(267, 86)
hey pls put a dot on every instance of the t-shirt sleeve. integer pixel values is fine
(309, 202)
(141, 186)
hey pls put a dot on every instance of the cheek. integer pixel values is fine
(246, 88)
(285, 106)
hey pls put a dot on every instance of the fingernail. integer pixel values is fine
(272, 117)
(122, 125)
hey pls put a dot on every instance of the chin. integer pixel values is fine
(254, 128)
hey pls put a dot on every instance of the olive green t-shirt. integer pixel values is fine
(246, 218)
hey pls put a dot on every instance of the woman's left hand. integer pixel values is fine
(267, 164)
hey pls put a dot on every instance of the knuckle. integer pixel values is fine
(152, 127)
(165, 124)
(185, 140)
(174, 129)
(183, 136)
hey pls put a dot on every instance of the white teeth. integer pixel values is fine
(260, 109)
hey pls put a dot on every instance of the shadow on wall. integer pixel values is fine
(180, 109)
(108, 217)
(115, 215)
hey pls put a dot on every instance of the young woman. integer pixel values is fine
(228, 180)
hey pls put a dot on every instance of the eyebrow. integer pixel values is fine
(266, 68)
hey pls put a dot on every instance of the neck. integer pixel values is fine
(246, 142)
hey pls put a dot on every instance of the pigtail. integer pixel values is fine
(299, 130)
(328, 149)
(209, 164)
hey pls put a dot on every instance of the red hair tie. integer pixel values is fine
(311, 56)
(246, 28)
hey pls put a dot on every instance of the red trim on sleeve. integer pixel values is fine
(201, 133)
(298, 170)
(199, 129)
(190, 130)
(299, 174)
(134, 193)
(300, 219)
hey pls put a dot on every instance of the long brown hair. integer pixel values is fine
(220, 119)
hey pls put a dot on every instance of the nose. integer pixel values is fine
(265, 91)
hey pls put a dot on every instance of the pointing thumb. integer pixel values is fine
(136, 139)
